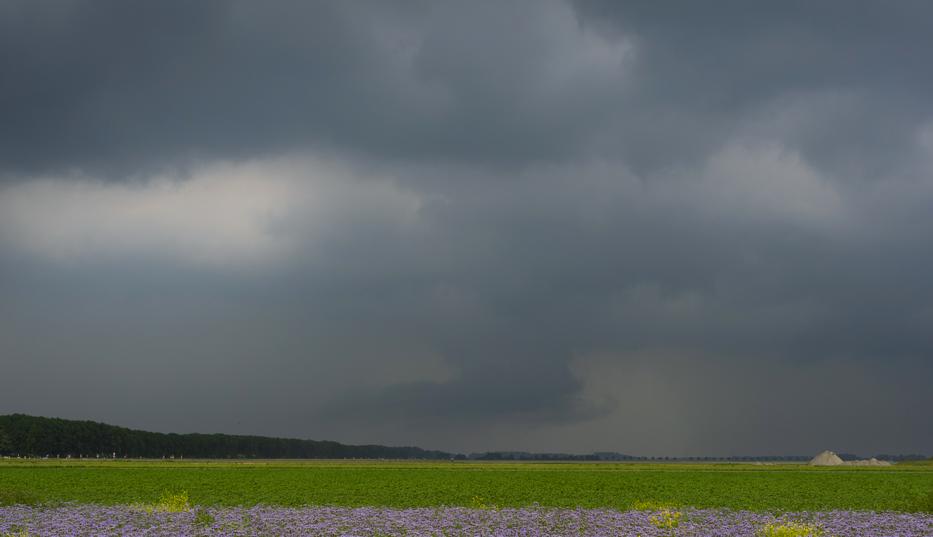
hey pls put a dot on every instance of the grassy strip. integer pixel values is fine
(408, 484)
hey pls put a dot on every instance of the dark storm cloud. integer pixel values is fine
(109, 84)
(529, 225)
(709, 68)
(118, 85)
(113, 85)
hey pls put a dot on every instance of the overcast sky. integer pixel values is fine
(691, 228)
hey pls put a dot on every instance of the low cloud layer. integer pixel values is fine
(548, 226)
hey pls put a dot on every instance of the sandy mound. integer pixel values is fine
(870, 462)
(826, 458)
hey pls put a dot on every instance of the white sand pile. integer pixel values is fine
(826, 458)
(870, 462)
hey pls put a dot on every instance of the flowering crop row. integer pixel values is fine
(78, 520)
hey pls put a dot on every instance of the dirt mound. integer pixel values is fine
(826, 458)
(870, 462)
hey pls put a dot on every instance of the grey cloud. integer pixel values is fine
(467, 325)
(704, 70)
(542, 216)
(117, 87)
(122, 87)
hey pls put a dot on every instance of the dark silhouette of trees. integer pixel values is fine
(6, 445)
(54, 437)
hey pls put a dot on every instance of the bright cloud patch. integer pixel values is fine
(221, 215)
(774, 181)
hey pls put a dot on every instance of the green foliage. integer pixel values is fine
(6, 443)
(478, 502)
(18, 496)
(925, 502)
(789, 529)
(21, 533)
(174, 502)
(651, 506)
(169, 502)
(203, 518)
(426, 484)
(666, 520)
(37, 436)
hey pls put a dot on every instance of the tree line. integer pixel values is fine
(32, 436)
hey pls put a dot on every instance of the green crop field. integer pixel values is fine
(903, 487)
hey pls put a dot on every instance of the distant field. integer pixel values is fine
(905, 487)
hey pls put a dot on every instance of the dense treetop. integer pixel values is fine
(38, 436)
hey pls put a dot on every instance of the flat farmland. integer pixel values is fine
(406, 484)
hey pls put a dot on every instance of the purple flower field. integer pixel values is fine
(80, 520)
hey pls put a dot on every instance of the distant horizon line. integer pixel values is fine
(487, 455)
